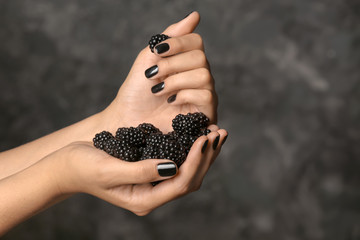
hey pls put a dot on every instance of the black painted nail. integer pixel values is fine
(224, 140)
(216, 142)
(151, 71)
(188, 14)
(204, 146)
(166, 169)
(162, 47)
(171, 98)
(158, 87)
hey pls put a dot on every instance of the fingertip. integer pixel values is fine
(213, 127)
(184, 26)
(193, 14)
(224, 135)
(214, 138)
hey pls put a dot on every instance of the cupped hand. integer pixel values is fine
(82, 168)
(182, 78)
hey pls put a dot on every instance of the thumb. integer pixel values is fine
(144, 171)
(185, 26)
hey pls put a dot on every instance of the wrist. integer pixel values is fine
(35, 186)
(53, 168)
(110, 119)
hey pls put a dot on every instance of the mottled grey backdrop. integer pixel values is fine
(287, 74)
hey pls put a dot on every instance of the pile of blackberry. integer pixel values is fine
(147, 142)
(156, 39)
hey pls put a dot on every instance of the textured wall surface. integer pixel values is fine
(288, 78)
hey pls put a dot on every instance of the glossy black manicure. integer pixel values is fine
(204, 146)
(171, 98)
(188, 14)
(158, 87)
(166, 169)
(151, 71)
(162, 47)
(224, 140)
(216, 142)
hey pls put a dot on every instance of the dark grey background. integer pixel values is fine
(287, 74)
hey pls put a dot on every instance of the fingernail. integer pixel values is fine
(158, 87)
(171, 98)
(216, 142)
(151, 71)
(204, 146)
(224, 140)
(166, 169)
(188, 14)
(162, 47)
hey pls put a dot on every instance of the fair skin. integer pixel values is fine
(63, 163)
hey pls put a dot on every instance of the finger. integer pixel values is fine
(224, 134)
(179, 63)
(215, 140)
(182, 184)
(204, 100)
(213, 127)
(193, 79)
(180, 44)
(185, 26)
(145, 171)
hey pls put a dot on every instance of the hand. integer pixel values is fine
(127, 184)
(184, 70)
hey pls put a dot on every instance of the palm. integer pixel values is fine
(139, 105)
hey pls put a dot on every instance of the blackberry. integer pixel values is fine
(129, 153)
(148, 128)
(190, 124)
(156, 39)
(133, 136)
(101, 138)
(172, 150)
(150, 152)
(186, 141)
(155, 139)
(110, 146)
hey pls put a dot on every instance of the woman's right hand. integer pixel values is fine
(83, 168)
(183, 82)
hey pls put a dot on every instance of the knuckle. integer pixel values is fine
(204, 75)
(198, 38)
(180, 43)
(183, 97)
(142, 213)
(200, 57)
(183, 189)
(165, 65)
(208, 96)
(141, 209)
